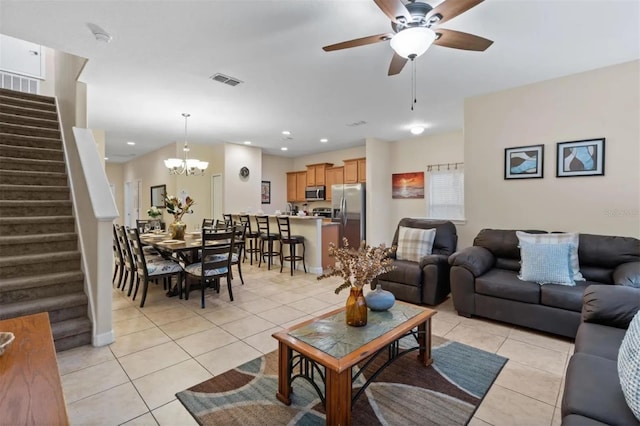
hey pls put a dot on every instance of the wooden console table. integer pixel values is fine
(30, 388)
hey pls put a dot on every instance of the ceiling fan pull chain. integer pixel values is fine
(415, 83)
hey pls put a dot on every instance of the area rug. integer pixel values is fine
(405, 393)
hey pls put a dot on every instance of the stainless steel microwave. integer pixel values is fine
(314, 193)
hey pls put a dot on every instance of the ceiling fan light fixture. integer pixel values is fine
(413, 41)
(417, 130)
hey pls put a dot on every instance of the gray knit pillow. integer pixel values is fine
(629, 366)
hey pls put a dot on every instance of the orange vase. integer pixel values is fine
(356, 311)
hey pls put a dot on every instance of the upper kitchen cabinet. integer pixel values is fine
(355, 170)
(334, 175)
(316, 174)
(296, 185)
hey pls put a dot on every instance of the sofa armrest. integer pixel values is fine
(475, 259)
(627, 274)
(612, 305)
(434, 259)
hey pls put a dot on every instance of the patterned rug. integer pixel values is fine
(448, 393)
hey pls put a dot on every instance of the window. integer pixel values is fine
(446, 194)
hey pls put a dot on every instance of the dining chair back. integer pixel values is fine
(253, 236)
(269, 238)
(227, 219)
(286, 239)
(118, 270)
(208, 223)
(239, 247)
(127, 258)
(160, 268)
(217, 253)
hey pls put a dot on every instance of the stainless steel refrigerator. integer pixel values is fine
(348, 209)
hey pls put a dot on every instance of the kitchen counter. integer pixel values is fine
(312, 228)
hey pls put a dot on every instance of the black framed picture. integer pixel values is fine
(580, 158)
(265, 192)
(524, 162)
(158, 193)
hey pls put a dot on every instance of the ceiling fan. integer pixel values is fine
(414, 33)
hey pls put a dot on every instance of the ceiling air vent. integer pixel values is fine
(357, 123)
(221, 78)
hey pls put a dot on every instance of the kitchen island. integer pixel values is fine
(317, 236)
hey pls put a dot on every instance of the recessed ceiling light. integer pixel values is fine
(417, 130)
(247, 142)
(131, 143)
(106, 158)
(286, 132)
(284, 148)
(324, 140)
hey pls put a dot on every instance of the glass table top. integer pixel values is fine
(333, 336)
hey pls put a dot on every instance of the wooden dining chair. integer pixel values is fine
(127, 258)
(217, 253)
(228, 220)
(158, 268)
(118, 259)
(208, 223)
(239, 248)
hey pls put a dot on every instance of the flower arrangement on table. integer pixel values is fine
(177, 207)
(358, 267)
(154, 212)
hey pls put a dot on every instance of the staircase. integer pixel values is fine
(40, 263)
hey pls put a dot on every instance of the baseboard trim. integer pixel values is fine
(103, 339)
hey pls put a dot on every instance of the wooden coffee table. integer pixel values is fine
(324, 350)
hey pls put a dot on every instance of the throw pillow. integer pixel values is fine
(545, 263)
(572, 238)
(629, 366)
(414, 243)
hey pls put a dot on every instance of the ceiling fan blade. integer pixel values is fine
(460, 40)
(397, 63)
(358, 42)
(449, 9)
(394, 9)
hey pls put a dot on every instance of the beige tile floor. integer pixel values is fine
(172, 344)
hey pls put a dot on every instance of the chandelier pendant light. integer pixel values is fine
(186, 166)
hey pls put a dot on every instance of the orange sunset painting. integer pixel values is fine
(407, 185)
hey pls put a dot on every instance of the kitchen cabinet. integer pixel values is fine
(316, 174)
(292, 178)
(333, 175)
(355, 170)
(301, 185)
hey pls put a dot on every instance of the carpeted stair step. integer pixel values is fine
(13, 94)
(28, 103)
(19, 177)
(36, 225)
(37, 244)
(21, 120)
(71, 333)
(20, 289)
(60, 307)
(21, 208)
(15, 129)
(28, 112)
(31, 165)
(34, 264)
(9, 140)
(30, 192)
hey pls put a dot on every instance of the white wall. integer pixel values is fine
(600, 103)
(274, 169)
(242, 194)
(379, 226)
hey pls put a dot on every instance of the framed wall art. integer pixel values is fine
(265, 192)
(524, 162)
(158, 193)
(407, 185)
(580, 158)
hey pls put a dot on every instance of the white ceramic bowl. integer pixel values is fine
(6, 338)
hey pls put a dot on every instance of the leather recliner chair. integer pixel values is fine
(426, 281)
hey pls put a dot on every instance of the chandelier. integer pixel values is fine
(185, 166)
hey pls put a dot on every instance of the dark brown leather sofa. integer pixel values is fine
(484, 280)
(427, 281)
(606, 313)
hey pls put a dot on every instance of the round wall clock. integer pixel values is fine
(244, 172)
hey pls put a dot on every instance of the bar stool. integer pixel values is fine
(292, 241)
(253, 237)
(266, 236)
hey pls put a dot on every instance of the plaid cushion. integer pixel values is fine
(546, 263)
(564, 238)
(629, 366)
(414, 243)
